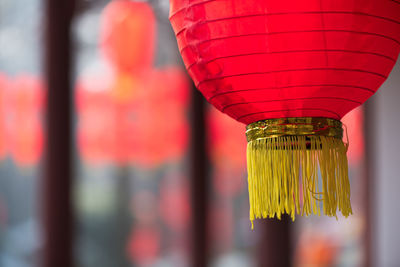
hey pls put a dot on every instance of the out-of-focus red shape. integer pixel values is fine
(175, 203)
(257, 60)
(128, 34)
(354, 122)
(144, 245)
(126, 106)
(25, 108)
(3, 142)
(317, 251)
(161, 122)
(150, 121)
(227, 148)
(95, 112)
(135, 118)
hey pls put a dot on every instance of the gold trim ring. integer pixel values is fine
(303, 126)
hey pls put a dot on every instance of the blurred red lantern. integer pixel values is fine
(227, 148)
(161, 126)
(3, 137)
(95, 111)
(317, 250)
(25, 107)
(144, 245)
(128, 34)
(227, 144)
(142, 134)
(133, 127)
(174, 202)
(290, 70)
(355, 119)
(125, 103)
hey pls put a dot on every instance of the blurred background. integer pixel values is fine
(158, 177)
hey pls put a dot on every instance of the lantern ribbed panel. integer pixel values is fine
(256, 60)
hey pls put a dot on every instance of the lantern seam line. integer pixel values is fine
(291, 51)
(292, 70)
(292, 99)
(397, 2)
(189, 6)
(289, 13)
(292, 86)
(271, 111)
(288, 32)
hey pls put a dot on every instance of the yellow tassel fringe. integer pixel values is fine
(283, 176)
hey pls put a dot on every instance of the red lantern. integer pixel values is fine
(26, 99)
(3, 136)
(124, 96)
(94, 108)
(133, 126)
(128, 34)
(108, 137)
(142, 134)
(162, 138)
(174, 204)
(144, 245)
(227, 151)
(290, 70)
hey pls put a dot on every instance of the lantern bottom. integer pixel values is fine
(297, 166)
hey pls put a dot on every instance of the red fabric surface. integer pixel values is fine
(256, 60)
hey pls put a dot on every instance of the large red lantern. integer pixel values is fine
(290, 70)
(128, 34)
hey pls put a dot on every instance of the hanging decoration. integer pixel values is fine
(131, 95)
(94, 137)
(227, 150)
(25, 107)
(127, 36)
(174, 202)
(3, 137)
(132, 104)
(290, 70)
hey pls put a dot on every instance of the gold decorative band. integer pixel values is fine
(303, 126)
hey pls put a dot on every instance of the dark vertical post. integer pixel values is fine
(199, 181)
(275, 245)
(122, 217)
(57, 181)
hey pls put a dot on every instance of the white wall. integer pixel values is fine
(386, 238)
